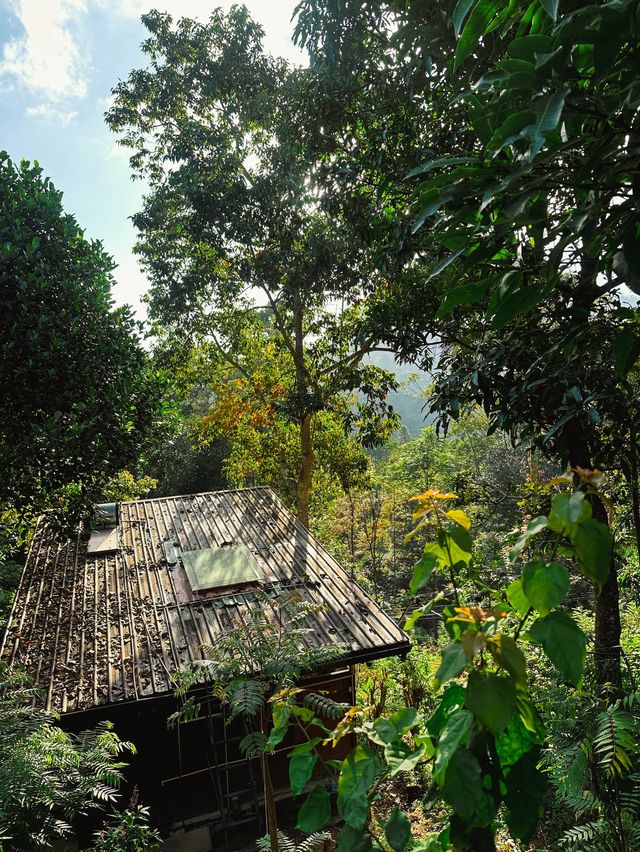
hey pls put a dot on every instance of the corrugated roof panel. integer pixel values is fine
(102, 628)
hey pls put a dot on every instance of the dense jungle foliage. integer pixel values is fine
(452, 185)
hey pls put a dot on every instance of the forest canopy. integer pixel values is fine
(455, 185)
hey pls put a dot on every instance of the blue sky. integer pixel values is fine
(59, 60)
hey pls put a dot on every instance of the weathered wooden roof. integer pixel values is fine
(98, 629)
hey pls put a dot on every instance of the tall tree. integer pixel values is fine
(78, 395)
(231, 232)
(522, 226)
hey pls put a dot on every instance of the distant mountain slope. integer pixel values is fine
(408, 401)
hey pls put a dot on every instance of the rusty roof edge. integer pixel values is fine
(349, 659)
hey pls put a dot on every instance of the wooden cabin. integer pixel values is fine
(102, 621)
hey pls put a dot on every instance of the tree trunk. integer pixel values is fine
(635, 493)
(607, 610)
(305, 474)
(269, 799)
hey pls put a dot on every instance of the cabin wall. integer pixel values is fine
(194, 774)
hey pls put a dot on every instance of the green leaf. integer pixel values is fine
(397, 830)
(517, 299)
(478, 20)
(517, 598)
(437, 164)
(592, 541)
(316, 810)
(545, 586)
(456, 545)
(510, 130)
(549, 110)
(465, 294)
(454, 734)
(551, 8)
(563, 642)
(453, 662)
(301, 767)
(492, 699)
(534, 527)
(462, 787)
(529, 46)
(513, 742)
(525, 789)
(404, 719)
(422, 572)
(626, 349)
(459, 14)
(401, 758)
(452, 699)
(508, 656)
(567, 510)
(354, 840)
(382, 732)
(358, 770)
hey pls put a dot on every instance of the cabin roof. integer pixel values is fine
(95, 629)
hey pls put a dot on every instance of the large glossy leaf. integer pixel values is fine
(422, 572)
(492, 699)
(567, 510)
(479, 19)
(465, 294)
(508, 656)
(456, 545)
(526, 786)
(441, 162)
(358, 770)
(592, 541)
(452, 699)
(453, 662)
(454, 734)
(354, 840)
(316, 810)
(460, 13)
(401, 758)
(397, 830)
(545, 585)
(563, 642)
(549, 110)
(517, 598)
(462, 787)
(626, 349)
(300, 769)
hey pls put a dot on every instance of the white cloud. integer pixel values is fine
(273, 15)
(46, 57)
(48, 112)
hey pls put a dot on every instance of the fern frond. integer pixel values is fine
(580, 835)
(322, 705)
(246, 697)
(614, 741)
(253, 745)
(312, 843)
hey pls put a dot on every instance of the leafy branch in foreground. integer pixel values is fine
(484, 739)
(47, 776)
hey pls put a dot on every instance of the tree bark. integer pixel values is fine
(607, 630)
(307, 459)
(305, 474)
